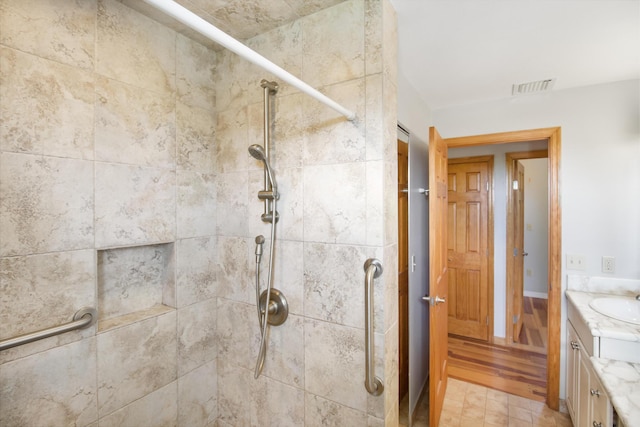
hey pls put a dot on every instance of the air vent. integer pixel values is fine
(532, 87)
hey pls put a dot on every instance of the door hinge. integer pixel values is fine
(515, 251)
(515, 319)
(487, 320)
(487, 186)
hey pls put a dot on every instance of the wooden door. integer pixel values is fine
(437, 275)
(518, 249)
(468, 246)
(403, 268)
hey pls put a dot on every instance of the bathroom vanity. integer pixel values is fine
(603, 363)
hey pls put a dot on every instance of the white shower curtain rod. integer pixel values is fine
(208, 30)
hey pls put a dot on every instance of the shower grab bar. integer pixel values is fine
(212, 32)
(372, 269)
(82, 318)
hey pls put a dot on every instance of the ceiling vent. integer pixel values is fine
(532, 87)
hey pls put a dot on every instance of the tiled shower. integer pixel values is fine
(126, 185)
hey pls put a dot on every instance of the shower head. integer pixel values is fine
(257, 152)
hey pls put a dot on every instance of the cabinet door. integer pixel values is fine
(583, 407)
(573, 365)
(601, 410)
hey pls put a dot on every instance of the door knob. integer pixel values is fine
(434, 301)
(525, 253)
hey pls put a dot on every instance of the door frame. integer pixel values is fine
(553, 137)
(489, 160)
(511, 158)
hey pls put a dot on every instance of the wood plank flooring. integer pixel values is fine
(515, 371)
(519, 369)
(533, 335)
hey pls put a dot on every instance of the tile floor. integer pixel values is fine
(468, 404)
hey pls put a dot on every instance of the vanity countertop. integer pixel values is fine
(599, 324)
(621, 381)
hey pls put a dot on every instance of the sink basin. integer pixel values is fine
(625, 309)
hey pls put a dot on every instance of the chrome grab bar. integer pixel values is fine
(372, 269)
(82, 318)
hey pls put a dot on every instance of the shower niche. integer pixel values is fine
(135, 283)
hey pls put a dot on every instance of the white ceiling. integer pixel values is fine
(465, 51)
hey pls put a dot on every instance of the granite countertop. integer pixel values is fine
(599, 324)
(621, 381)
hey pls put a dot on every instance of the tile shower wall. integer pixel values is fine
(111, 136)
(107, 129)
(338, 208)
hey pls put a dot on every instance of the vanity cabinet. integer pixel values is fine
(586, 399)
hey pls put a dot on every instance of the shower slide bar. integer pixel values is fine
(210, 31)
(82, 318)
(373, 384)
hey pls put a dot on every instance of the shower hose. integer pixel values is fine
(263, 317)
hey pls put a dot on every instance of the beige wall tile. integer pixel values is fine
(284, 361)
(334, 203)
(55, 387)
(46, 204)
(195, 139)
(135, 360)
(320, 411)
(334, 354)
(134, 126)
(337, 32)
(195, 74)
(198, 396)
(45, 107)
(238, 330)
(275, 403)
(159, 408)
(197, 275)
(61, 31)
(196, 213)
(134, 205)
(197, 335)
(149, 63)
(232, 199)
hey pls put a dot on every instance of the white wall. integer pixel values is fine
(599, 166)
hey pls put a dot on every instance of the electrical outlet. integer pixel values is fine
(608, 264)
(576, 262)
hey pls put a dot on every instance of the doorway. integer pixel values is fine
(527, 247)
(552, 138)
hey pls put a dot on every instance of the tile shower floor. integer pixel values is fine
(467, 404)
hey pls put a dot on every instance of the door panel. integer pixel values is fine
(438, 275)
(467, 253)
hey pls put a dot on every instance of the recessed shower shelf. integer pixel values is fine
(135, 283)
(137, 316)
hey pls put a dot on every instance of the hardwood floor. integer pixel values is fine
(533, 335)
(519, 369)
(512, 370)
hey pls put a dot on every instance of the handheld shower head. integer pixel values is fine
(257, 152)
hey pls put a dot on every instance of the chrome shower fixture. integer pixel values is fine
(270, 193)
(257, 152)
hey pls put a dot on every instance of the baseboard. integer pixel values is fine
(532, 294)
(500, 341)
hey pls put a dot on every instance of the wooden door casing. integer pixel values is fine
(438, 276)
(403, 269)
(469, 250)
